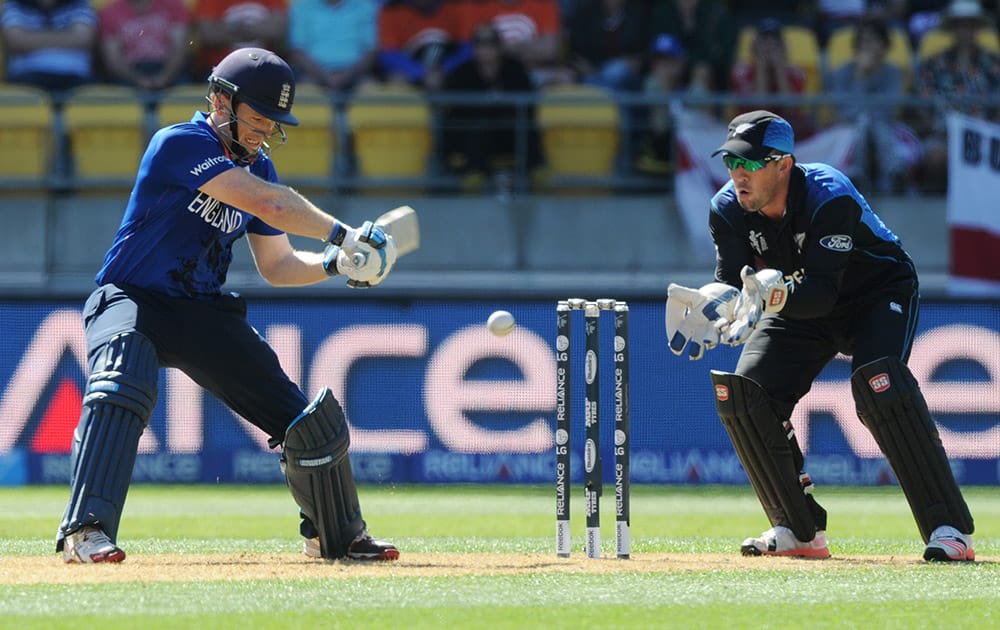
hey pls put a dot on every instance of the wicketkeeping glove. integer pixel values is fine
(696, 317)
(763, 292)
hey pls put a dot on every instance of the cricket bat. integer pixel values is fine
(402, 225)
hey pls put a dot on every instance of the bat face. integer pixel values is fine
(402, 225)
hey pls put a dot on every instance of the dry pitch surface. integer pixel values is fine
(252, 566)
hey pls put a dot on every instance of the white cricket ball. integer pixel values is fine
(501, 323)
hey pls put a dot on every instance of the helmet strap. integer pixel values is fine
(236, 151)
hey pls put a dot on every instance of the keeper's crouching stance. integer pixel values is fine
(821, 275)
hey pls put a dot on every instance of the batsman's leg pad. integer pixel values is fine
(891, 406)
(118, 401)
(318, 471)
(766, 452)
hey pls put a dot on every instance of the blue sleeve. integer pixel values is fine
(398, 62)
(457, 58)
(178, 157)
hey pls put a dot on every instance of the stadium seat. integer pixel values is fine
(580, 130)
(803, 50)
(391, 126)
(938, 39)
(312, 145)
(840, 50)
(180, 102)
(26, 135)
(106, 129)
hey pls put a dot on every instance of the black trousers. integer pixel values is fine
(786, 355)
(210, 341)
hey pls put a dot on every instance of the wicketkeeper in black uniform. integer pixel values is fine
(820, 275)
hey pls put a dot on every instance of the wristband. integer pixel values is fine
(338, 233)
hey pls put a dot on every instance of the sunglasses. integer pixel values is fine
(733, 162)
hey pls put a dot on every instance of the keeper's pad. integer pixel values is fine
(891, 406)
(769, 454)
(318, 471)
(119, 399)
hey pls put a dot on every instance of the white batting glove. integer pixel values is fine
(696, 317)
(763, 292)
(366, 266)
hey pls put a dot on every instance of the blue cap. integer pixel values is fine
(668, 45)
(754, 135)
(259, 78)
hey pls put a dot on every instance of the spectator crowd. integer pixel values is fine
(859, 53)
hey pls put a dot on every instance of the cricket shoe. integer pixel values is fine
(89, 545)
(947, 544)
(780, 541)
(364, 547)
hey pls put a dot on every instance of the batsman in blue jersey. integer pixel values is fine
(201, 186)
(806, 270)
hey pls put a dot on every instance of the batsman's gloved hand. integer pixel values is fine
(763, 292)
(346, 237)
(696, 317)
(366, 266)
(359, 245)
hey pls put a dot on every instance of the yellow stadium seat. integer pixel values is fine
(938, 39)
(179, 103)
(391, 125)
(580, 130)
(26, 134)
(106, 127)
(840, 50)
(803, 50)
(312, 145)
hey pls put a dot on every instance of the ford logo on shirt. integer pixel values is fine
(837, 242)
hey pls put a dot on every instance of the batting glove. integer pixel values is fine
(366, 266)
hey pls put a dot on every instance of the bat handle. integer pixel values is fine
(358, 259)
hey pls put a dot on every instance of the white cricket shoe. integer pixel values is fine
(89, 545)
(947, 544)
(780, 541)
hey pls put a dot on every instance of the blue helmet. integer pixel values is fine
(259, 78)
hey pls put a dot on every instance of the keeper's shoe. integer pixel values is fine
(89, 545)
(780, 541)
(364, 547)
(947, 544)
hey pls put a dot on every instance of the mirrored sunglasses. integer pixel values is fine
(733, 162)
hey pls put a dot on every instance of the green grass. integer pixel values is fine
(519, 520)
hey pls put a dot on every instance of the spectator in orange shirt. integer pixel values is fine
(144, 43)
(531, 30)
(421, 40)
(222, 26)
